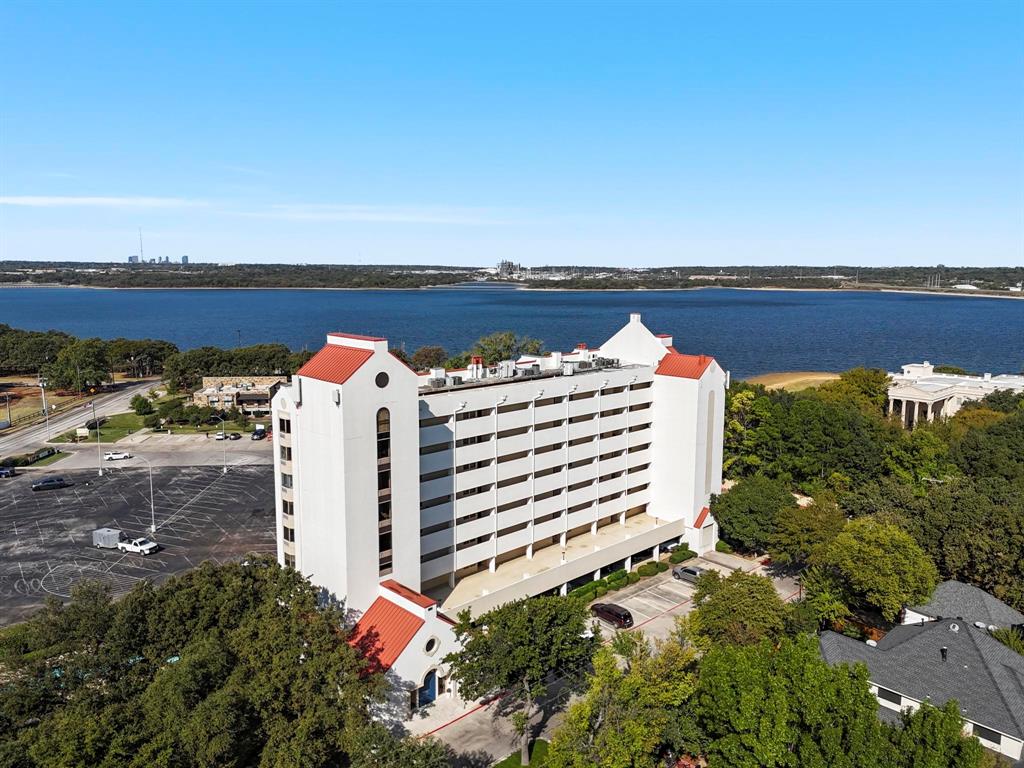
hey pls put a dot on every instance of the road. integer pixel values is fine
(30, 438)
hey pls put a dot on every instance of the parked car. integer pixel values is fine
(138, 546)
(259, 434)
(235, 436)
(614, 614)
(49, 484)
(220, 436)
(7, 472)
(688, 573)
(116, 455)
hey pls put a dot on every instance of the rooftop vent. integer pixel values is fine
(944, 651)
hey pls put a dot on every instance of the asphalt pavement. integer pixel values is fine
(25, 439)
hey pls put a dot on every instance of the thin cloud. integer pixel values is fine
(68, 201)
(376, 214)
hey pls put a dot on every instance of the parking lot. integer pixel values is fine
(655, 602)
(202, 514)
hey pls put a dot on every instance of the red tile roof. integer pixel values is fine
(702, 517)
(338, 334)
(684, 366)
(663, 335)
(335, 363)
(409, 594)
(383, 633)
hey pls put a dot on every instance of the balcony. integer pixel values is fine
(514, 516)
(288, 521)
(288, 494)
(285, 438)
(610, 423)
(618, 400)
(520, 418)
(583, 428)
(288, 547)
(472, 555)
(467, 454)
(549, 482)
(286, 467)
(473, 478)
(474, 528)
(515, 468)
(549, 413)
(437, 540)
(440, 486)
(581, 407)
(438, 433)
(432, 462)
(548, 529)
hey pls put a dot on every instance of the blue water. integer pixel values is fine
(749, 332)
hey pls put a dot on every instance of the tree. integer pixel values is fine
(932, 737)
(514, 647)
(868, 387)
(428, 357)
(740, 609)
(747, 514)
(774, 706)
(802, 533)
(142, 405)
(79, 365)
(505, 345)
(623, 718)
(883, 566)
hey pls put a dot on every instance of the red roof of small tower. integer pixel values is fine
(383, 633)
(702, 517)
(409, 594)
(335, 363)
(684, 366)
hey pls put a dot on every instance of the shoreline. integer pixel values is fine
(520, 287)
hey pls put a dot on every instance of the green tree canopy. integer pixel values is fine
(428, 357)
(747, 514)
(623, 719)
(79, 365)
(505, 345)
(740, 609)
(802, 534)
(514, 647)
(883, 566)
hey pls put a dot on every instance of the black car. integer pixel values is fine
(7, 472)
(49, 484)
(615, 615)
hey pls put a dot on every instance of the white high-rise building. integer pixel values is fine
(483, 485)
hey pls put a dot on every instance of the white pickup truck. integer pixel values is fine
(138, 546)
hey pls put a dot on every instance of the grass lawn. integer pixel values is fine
(538, 751)
(793, 381)
(113, 429)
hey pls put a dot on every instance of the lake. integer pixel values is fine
(749, 332)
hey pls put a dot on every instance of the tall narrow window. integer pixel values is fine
(709, 458)
(384, 491)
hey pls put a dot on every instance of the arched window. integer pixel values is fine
(709, 458)
(383, 421)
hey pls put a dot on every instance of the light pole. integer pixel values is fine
(224, 442)
(46, 411)
(152, 504)
(99, 456)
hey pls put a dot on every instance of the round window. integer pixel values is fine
(382, 379)
(431, 646)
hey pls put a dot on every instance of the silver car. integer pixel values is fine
(688, 573)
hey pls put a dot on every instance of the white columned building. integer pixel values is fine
(920, 394)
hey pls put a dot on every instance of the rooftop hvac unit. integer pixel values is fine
(584, 365)
(437, 383)
(456, 380)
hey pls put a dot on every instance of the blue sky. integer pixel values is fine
(464, 133)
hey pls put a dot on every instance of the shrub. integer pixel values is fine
(616, 575)
(660, 567)
(152, 420)
(617, 583)
(633, 578)
(680, 554)
(723, 546)
(601, 591)
(647, 569)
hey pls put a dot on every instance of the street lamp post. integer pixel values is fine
(46, 411)
(99, 455)
(224, 443)
(152, 504)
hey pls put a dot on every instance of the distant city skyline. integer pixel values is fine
(734, 133)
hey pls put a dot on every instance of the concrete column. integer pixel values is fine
(493, 564)
(629, 563)
(597, 575)
(654, 553)
(908, 413)
(564, 589)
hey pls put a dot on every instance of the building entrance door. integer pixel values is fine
(428, 691)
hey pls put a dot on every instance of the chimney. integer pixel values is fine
(634, 317)
(944, 651)
(581, 345)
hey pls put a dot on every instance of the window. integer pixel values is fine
(381, 380)
(435, 448)
(284, 426)
(427, 477)
(640, 385)
(289, 561)
(286, 481)
(383, 420)
(286, 453)
(289, 534)
(645, 406)
(511, 407)
(288, 507)
(891, 696)
(431, 646)
(582, 395)
(436, 502)
(433, 421)
(477, 439)
(464, 415)
(987, 734)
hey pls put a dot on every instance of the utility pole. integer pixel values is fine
(141, 259)
(239, 332)
(9, 422)
(46, 411)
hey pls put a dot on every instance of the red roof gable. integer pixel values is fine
(383, 633)
(684, 366)
(702, 517)
(335, 363)
(409, 594)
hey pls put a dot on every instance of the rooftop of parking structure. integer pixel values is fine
(522, 376)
